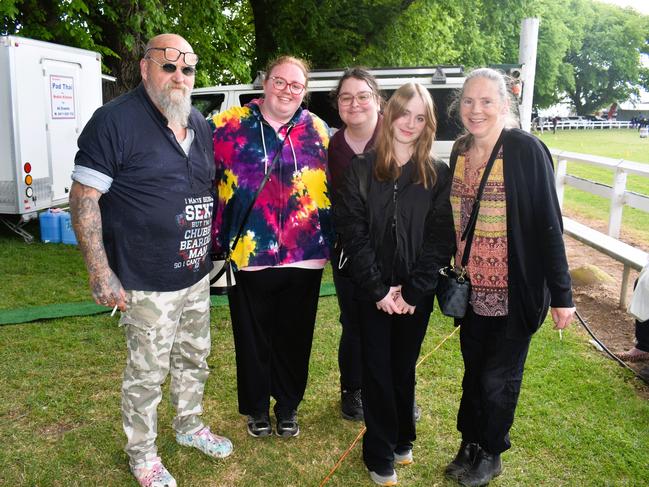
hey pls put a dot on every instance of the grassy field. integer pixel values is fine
(618, 144)
(579, 422)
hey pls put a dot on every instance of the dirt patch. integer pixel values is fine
(56, 430)
(598, 303)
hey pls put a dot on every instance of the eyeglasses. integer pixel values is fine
(172, 54)
(362, 98)
(171, 68)
(280, 83)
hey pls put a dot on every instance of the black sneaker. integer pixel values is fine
(351, 405)
(259, 425)
(287, 426)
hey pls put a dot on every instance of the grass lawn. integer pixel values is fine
(579, 422)
(617, 144)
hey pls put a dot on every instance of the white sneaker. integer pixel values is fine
(403, 458)
(385, 480)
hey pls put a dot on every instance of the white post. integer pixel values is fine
(527, 57)
(617, 203)
(560, 178)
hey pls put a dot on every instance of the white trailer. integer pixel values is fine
(47, 94)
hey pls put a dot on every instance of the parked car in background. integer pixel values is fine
(578, 122)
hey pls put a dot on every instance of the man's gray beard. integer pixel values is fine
(174, 109)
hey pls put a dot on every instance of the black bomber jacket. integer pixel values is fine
(423, 227)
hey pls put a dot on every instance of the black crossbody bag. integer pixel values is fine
(453, 284)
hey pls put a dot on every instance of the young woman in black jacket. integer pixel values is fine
(395, 221)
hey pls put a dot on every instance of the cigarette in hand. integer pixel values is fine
(114, 310)
(560, 333)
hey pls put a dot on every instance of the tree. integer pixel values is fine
(118, 29)
(329, 33)
(606, 66)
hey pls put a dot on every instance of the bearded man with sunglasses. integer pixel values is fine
(142, 206)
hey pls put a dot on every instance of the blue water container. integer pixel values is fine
(67, 233)
(50, 223)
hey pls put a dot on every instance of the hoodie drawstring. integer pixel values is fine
(263, 143)
(290, 142)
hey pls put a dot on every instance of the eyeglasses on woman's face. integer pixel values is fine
(280, 83)
(362, 98)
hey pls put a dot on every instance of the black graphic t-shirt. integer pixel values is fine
(157, 214)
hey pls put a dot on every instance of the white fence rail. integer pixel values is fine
(584, 124)
(616, 192)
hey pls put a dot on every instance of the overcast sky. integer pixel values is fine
(639, 5)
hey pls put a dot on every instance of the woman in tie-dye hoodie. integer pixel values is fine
(284, 244)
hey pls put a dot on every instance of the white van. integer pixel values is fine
(441, 81)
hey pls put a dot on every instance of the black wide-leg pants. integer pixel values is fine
(273, 315)
(493, 373)
(390, 348)
(349, 349)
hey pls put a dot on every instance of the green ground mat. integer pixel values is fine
(63, 310)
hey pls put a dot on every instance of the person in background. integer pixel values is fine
(359, 103)
(284, 245)
(141, 196)
(398, 232)
(639, 309)
(517, 268)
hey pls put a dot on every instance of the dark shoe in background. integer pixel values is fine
(351, 405)
(259, 425)
(287, 425)
(462, 461)
(485, 467)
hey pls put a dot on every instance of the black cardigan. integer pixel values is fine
(424, 229)
(538, 274)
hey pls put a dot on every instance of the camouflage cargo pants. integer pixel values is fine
(165, 332)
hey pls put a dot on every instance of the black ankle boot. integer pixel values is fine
(485, 467)
(462, 461)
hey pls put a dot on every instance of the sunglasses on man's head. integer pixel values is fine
(171, 68)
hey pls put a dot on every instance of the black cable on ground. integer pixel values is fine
(611, 354)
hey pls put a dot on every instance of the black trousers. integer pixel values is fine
(642, 335)
(349, 349)
(273, 316)
(493, 373)
(390, 347)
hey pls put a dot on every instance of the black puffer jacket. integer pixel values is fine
(424, 229)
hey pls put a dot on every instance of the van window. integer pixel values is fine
(208, 103)
(320, 104)
(247, 97)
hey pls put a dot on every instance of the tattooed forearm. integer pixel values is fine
(86, 221)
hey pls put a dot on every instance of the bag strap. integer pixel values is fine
(261, 186)
(470, 226)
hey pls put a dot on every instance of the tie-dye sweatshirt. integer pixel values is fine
(291, 219)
